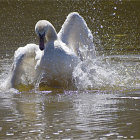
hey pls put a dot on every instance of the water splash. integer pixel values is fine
(115, 72)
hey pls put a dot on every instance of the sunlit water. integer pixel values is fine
(106, 103)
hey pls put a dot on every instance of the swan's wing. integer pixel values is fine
(23, 68)
(77, 36)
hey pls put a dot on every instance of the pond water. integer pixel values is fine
(106, 103)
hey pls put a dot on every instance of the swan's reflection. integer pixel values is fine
(45, 115)
(69, 115)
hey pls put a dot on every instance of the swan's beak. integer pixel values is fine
(41, 42)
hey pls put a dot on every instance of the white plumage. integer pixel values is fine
(54, 62)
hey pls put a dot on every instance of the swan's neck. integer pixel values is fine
(51, 34)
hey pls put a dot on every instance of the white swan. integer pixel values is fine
(56, 59)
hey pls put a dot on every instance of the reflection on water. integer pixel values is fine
(71, 115)
(110, 109)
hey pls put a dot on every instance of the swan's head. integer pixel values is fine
(41, 28)
(44, 29)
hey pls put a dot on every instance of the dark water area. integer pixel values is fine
(111, 109)
(114, 23)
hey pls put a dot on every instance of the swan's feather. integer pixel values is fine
(57, 64)
(77, 36)
(23, 68)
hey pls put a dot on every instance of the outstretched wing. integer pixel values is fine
(23, 68)
(77, 36)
